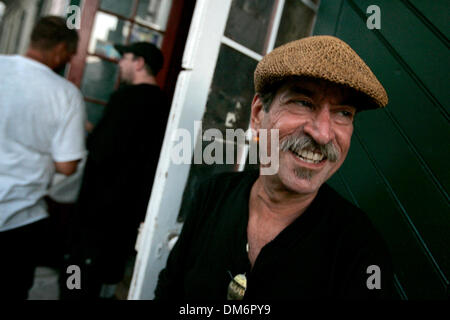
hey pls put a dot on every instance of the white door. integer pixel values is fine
(226, 40)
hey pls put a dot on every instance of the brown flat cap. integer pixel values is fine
(322, 57)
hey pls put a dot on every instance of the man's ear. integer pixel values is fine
(140, 63)
(257, 112)
(57, 53)
(61, 48)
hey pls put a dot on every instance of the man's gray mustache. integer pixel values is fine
(299, 142)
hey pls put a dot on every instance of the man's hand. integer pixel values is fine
(88, 126)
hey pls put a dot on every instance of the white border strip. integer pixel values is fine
(188, 106)
(315, 18)
(276, 25)
(314, 7)
(240, 48)
(195, 31)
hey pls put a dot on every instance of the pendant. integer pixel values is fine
(237, 287)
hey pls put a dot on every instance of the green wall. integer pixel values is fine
(397, 170)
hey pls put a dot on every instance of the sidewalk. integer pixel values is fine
(46, 287)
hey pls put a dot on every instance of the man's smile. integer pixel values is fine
(309, 159)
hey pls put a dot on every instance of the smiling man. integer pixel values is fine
(288, 235)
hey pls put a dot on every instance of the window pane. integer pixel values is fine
(143, 34)
(249, 22)
(99, 78)
(94, 112)
(228, 107)
(154, 13)
(121, 7)
(231, 93)
(107, 31)
(296, 22)
(2, 10)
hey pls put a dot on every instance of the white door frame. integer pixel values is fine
(189, 102)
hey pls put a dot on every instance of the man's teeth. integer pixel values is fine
(309, 156)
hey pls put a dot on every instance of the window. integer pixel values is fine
(121, 22)
(2, 10)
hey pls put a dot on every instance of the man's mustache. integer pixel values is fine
(299, 142)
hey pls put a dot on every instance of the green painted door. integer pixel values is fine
(397, 169)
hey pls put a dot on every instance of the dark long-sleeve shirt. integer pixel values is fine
(324, 253)
(124, 150)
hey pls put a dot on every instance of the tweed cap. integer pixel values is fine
(322, 57)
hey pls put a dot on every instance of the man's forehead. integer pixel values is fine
(313, 87)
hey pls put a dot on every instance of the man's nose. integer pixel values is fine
(319, 126)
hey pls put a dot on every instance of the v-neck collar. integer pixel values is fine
(288, 237)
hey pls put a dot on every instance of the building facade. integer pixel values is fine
(396, 170)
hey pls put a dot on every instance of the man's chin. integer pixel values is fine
(301, 181)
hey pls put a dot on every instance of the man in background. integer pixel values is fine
(123, 154)
(41, 132)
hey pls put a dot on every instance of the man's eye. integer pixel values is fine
(304, 103)
(347, 114)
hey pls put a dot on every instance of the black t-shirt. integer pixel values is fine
(323, 253)
(124, 148)
(133, 124)
(123, 155)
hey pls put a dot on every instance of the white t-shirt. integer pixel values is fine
(41, 121)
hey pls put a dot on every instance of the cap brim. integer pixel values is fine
(121, 48)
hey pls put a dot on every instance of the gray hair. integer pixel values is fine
(267, 99)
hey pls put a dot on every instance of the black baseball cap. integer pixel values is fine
(152, 55)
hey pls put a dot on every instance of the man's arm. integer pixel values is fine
(89, 126)
(369, 270)
(68, 146)
(67, 168)
(171, 279)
